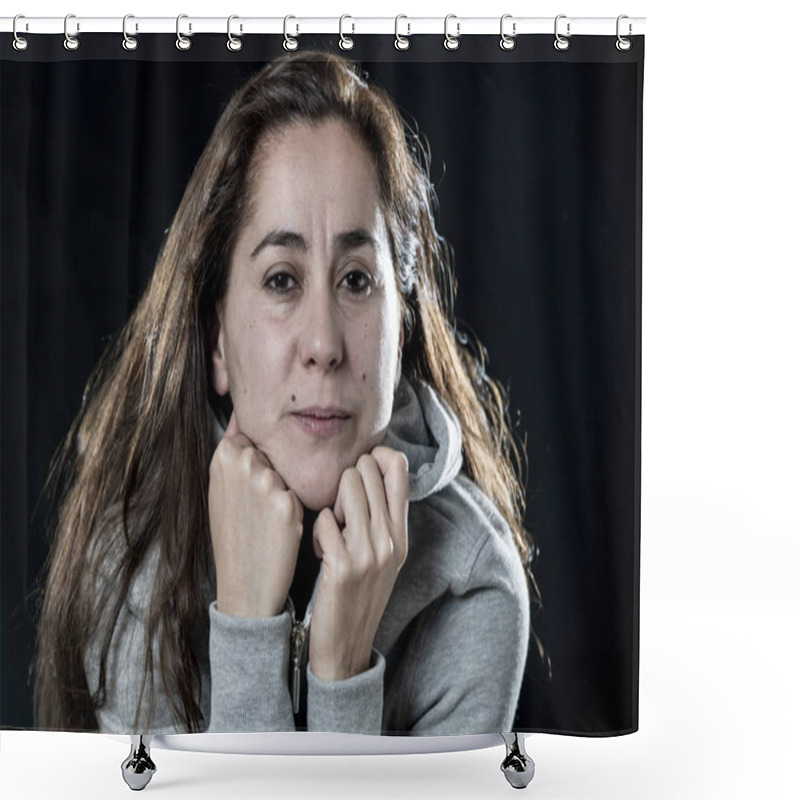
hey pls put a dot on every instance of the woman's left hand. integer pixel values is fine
(363, 544)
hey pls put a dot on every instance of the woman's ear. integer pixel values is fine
(219, 364)
(399, 358)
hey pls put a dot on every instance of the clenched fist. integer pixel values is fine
(363, 543)
(256, 526)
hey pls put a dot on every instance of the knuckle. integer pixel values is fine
(249, 457)
(402, 461)
(340, 570)
(362, 565)
(283, 506)
(350, 477)
(364, 460)
(384, 550)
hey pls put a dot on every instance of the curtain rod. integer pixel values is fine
(348, 25)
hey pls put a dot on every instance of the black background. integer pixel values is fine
(536, 159)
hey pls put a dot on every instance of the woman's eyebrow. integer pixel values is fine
(347, 240)
(351, 240)
(281, 238)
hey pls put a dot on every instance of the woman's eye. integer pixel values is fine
(357, 281)
(280, 282)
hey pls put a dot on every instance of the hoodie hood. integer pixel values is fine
(429, 434)
(427, 431)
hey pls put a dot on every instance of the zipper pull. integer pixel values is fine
(299, 633)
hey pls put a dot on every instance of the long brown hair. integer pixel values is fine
(133, 469)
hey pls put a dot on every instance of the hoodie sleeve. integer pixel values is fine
(469, 657)
(248, 660)
(354, 705)
(249, 666)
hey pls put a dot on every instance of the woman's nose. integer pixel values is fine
(321, 340)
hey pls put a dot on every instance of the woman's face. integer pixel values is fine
(309, 338)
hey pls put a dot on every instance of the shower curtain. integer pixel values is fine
(535, 155)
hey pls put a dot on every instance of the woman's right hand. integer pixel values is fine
(256, 526)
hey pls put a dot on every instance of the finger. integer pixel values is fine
(233, 427)
(393, 465)
(327, 538)
(233, 433)
(353, 510)
(374, 489)
(298, 506)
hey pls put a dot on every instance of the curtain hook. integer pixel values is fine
(70, 42)
(346, 42)
(451, 42)
(20, 42)
(623, 44)
(507, 42)
(289, 43)
(182, 43)
(129, 42)
(233, 44)
(401, 42)
(561, 43)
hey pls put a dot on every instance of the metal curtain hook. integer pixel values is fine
(401, 42)
(451, 42)
(507, 42)
(20, 42)
(129, 42)
(234, 44)
(70, 42)
(622, 43)
(182, 43)
(346, 42)
(289, 43)
(561, 43)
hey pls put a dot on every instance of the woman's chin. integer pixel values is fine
(315, 498)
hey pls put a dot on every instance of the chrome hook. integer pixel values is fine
(182, 42)
(289, 43)
(233, 43)
(561, 43)
(401, 42)
(346, 42)
(508, 42)
(20, 42)
(623, 44)
(71, 42)
(451, 42)
(129, 42)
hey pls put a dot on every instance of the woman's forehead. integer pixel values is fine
(316, 180)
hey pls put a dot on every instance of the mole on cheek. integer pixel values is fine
(293, 398)
(364, 376)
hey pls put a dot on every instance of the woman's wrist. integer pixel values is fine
(341, 671)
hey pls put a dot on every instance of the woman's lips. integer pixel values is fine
(321, 426)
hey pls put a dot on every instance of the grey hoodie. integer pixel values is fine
(449, 653)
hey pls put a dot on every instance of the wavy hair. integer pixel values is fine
(135, 460)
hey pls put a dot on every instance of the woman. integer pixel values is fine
(290, 389)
